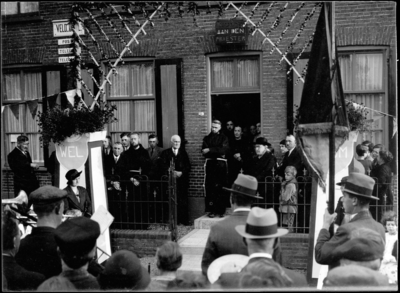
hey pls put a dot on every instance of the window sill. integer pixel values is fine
(21, 18)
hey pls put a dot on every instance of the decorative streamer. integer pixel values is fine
(208, 8)
(300, 31)
(303, 73)
(263, 17)
(221, 8)
(310, 40)
(240, 8)
(195, 11)
(111, 24)
(289, 23)
(33, 106)
(252, 13)
(277, 20)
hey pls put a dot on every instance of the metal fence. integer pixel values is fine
(270, 190)
(149, 204)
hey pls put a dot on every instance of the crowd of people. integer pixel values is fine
(60, 254)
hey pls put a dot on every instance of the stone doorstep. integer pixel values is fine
(191, 263)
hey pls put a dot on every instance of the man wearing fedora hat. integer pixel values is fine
(260, 233)
(357, 194)
(223, 238)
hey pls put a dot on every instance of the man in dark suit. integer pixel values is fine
(154, 152)
(357, 194)
(17, 277)
(260, 233)
(261, 165)
(291, 158)
(106, 151)
(76, 241)
(38, 250)
(223, 238)
(215, 147)
(180, 158)
(20, 162)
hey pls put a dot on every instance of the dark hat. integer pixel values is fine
(77, 236)
(261, 224)
(360, 249)
(360, 184)
(72, 174)
(47, 195)
(123, 270)
(360, 147)
(343, 181)
(246, 185)
(354, 275)
(262, 140)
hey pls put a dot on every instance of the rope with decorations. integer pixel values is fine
(300, 31)
(303, 74)
(102, 32)
(253, 11)
(277, 20)
(263, 17)
(111, 24)
(307, 43)
(221, 8)
(240, 8)
(195, 11)
(289, 23)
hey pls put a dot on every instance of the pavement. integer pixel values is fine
(193, 244)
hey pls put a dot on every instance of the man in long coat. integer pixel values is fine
(20, 162)
(181, 162)
(357, 194)
(214, 149)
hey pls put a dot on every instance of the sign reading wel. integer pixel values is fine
(73, 152)
(231, 31)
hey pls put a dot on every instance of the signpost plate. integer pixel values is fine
(231, 31)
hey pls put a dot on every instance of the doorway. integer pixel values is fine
(242, 109)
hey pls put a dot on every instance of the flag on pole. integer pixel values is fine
(322, 105)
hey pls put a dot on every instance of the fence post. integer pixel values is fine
(172, 201)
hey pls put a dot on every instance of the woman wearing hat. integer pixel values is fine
(78, 201)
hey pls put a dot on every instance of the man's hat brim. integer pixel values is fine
(236, 191)
(360, 194)
(241, 229)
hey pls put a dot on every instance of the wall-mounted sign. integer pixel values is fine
(65, 59)
(64, 51)
(73, 152)
(231, 31)
(62, 28)
(64, 41)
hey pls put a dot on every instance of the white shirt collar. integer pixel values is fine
(352, 216)
(290, 151)
(21, 150)
(260, 254)
(242, 210)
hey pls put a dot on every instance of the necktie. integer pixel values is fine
(116, 159)
(77, 197)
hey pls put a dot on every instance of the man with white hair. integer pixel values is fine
(181, 163)
(291, 158)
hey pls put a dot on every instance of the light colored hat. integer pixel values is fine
(228, 263)
(360, 184)
(261, 224)
(246, 185)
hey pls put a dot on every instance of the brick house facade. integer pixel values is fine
(30, 41)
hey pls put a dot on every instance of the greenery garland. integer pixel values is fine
(56, 124)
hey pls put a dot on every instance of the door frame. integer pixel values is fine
(209, 93)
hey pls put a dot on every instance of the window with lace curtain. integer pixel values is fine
(235, 74)
(132, 91)
(18, 86)
(364, 79)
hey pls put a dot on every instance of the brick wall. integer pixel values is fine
(366, 23)
(141, 242)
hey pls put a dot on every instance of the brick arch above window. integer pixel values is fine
(353, 36)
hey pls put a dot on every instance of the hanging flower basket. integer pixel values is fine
(57, 124)
(358, 119)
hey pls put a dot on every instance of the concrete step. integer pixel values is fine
(204, 222)
(191, 263)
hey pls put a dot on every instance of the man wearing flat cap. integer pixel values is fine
(357, 194)
(76, 241)
(260, 233)
(38, 250)
(223, 238)
(214, 149)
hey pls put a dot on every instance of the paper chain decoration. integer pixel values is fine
(276, 23)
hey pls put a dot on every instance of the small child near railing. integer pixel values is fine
(288, 197)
